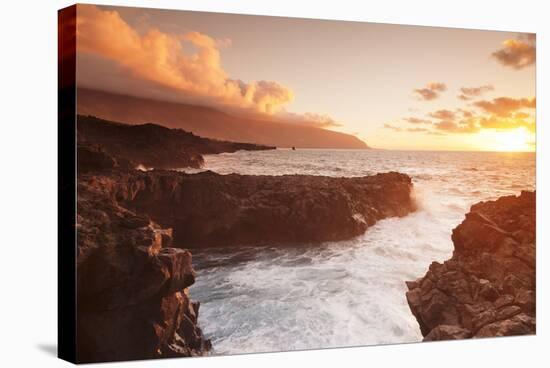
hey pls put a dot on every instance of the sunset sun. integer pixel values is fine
(512, 141)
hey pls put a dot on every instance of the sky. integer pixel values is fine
(393, 86)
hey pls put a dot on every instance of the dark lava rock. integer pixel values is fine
(208, 209)
(132, 288)
(93, 158)
(133, 275)
(488, 286)
(152, 145)
(447, 332)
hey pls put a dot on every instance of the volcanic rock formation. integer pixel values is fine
(132, 296)
(208, 209)
(487, 288)
(133, 272)
(152, 145)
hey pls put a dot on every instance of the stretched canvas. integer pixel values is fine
(236, 184)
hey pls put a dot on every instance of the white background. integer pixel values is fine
(28, 240)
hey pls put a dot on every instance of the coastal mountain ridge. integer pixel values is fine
(150, 145)
(210, 123)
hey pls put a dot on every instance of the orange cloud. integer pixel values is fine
(503, 113)
(517, 53)
(465, 113)
(467, 93)
(157, 61)
(499, 123)
(417, 130)
(311, 119)
(505, 106)
(443, 114)
(431, 91)
(399, 129)
(414, 120)
(392, 127)
(463, 126)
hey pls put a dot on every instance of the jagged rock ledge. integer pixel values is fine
(132, 286)
(208, 209)
(488, 287)
(133, 273)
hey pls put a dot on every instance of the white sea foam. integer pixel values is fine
(351, 292)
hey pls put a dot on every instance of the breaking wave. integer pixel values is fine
(350, 292)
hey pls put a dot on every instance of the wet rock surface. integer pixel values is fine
(487, 288)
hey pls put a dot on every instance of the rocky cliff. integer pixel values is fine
(152, 145)
(133, 272)
(208, 209)
(132, 286)
(487, 288)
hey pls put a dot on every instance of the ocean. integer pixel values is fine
(346, 293)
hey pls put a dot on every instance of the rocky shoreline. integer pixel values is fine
(487, 288)
(208, 209)
(149, 145)
(132, 286)
(134, 228)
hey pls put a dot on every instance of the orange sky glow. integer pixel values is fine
(395, 87)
